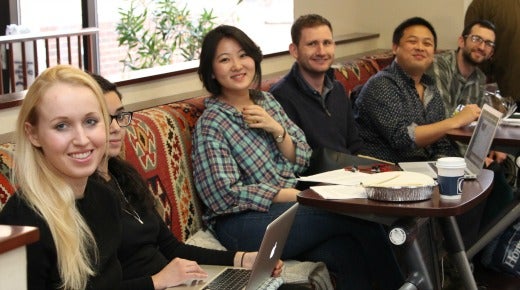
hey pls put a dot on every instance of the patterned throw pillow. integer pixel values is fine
(380, 60)
(352, 73)
(158, 144)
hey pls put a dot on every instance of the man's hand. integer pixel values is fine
(469, 114)
(497, 156)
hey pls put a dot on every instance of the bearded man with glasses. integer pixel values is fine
(505, 66)
(460, 82)
(457, 75)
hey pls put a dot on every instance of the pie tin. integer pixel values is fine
(400, 193)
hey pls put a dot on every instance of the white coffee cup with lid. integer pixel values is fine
(450, 176)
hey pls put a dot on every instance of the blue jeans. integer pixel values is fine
(357, 252)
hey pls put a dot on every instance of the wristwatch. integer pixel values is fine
(279, 138)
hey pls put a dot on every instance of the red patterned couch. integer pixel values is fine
(158, 144)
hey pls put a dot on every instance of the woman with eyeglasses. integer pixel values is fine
(150, 255)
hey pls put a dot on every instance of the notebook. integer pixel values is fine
(477, 150)
(269, 253)
(513, 120)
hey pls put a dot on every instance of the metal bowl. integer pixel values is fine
(400, 193)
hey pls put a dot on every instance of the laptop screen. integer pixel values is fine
(482, 138)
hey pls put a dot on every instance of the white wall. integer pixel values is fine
(382, 16)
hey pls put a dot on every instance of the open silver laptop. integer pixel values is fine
(476, 152)
(269, 253)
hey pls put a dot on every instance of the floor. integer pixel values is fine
(490, 280)
(486, 280)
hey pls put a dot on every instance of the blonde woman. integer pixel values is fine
(61, 138)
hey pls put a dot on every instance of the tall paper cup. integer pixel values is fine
(450, 176)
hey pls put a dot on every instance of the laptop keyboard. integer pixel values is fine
(230, 279)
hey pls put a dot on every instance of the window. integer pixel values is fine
(267, 22)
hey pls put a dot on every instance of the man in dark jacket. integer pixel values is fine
(310, 94)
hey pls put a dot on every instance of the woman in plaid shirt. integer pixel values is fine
(246, 155)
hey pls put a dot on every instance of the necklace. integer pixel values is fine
(131, 211)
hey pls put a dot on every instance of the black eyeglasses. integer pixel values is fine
(477, 39)
(123, 119)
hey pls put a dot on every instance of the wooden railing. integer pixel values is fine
(24, 56)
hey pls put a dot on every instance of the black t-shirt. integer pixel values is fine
(101, 212)
(148, 247)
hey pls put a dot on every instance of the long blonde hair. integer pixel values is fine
(49, 194)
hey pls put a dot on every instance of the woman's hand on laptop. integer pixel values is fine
(177, 272)
(247, 259)
(277, 271)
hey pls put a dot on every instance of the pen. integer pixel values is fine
(374, 168)
(376, 159)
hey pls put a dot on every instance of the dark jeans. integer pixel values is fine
(478, 218)
(500, 197)
(357, 252)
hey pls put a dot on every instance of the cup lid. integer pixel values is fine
(451, 162)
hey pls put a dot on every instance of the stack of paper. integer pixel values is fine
(344, 184)
(338, 176)
(512, 120)
(340, 191)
